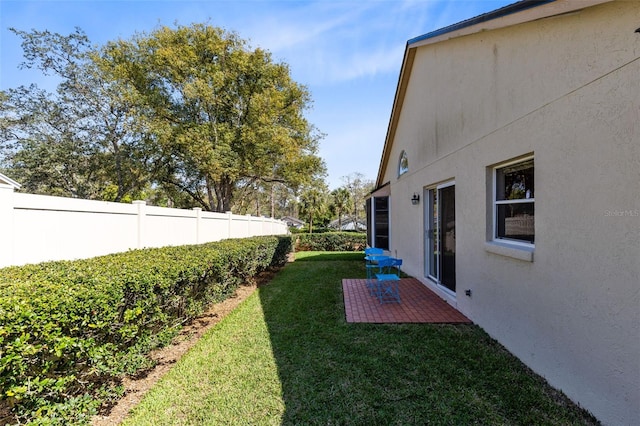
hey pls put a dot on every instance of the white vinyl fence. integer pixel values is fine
(37, 228)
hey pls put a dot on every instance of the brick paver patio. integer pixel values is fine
(418, 305)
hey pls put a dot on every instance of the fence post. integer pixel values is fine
(141, 222)
(6, 221)
(229, 222)
(198, 211)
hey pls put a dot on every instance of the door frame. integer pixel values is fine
(431, 249)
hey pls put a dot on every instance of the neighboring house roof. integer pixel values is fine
(292, 221)
(513, 14)
(8, 181)
(349, 225)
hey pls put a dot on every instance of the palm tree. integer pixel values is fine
(341, 201)
(312, 203)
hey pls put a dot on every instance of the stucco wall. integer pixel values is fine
(566, 89)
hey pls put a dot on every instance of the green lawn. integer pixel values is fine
(287, 356)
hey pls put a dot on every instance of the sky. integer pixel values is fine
(348, 53)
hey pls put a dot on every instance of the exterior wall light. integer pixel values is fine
(415, 199)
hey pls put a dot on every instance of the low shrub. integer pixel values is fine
(331, 241)
(70, 330)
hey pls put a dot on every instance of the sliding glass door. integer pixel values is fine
(440, 235)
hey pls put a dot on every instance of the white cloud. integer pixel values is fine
(291, 29)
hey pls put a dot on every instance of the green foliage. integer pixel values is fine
(314, 204)
(358, 188)
(331, 241)
(70, 330)
(225, 117)
(78, 141)
(340, 202)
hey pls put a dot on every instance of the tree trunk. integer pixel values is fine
(273, 201)
(119, 171)
(224, 193)
(210, 191)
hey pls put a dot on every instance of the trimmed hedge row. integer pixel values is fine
(70, 330)
(331, 241)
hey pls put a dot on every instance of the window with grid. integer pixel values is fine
(514, 202)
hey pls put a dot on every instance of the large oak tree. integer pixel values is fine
(222, 116)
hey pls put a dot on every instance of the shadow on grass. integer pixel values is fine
(333, 372)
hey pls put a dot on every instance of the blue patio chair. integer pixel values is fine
(388, 280)
(372, 256)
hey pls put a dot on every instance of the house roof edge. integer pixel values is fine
(9, 181)
(489, 16)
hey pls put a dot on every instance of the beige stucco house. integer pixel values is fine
(510, 184)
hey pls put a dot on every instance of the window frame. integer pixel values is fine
(378, 225)
(496, 203)
(381, 222)
(433, 217)
(403, 158)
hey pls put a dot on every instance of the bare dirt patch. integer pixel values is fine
(136, 387)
